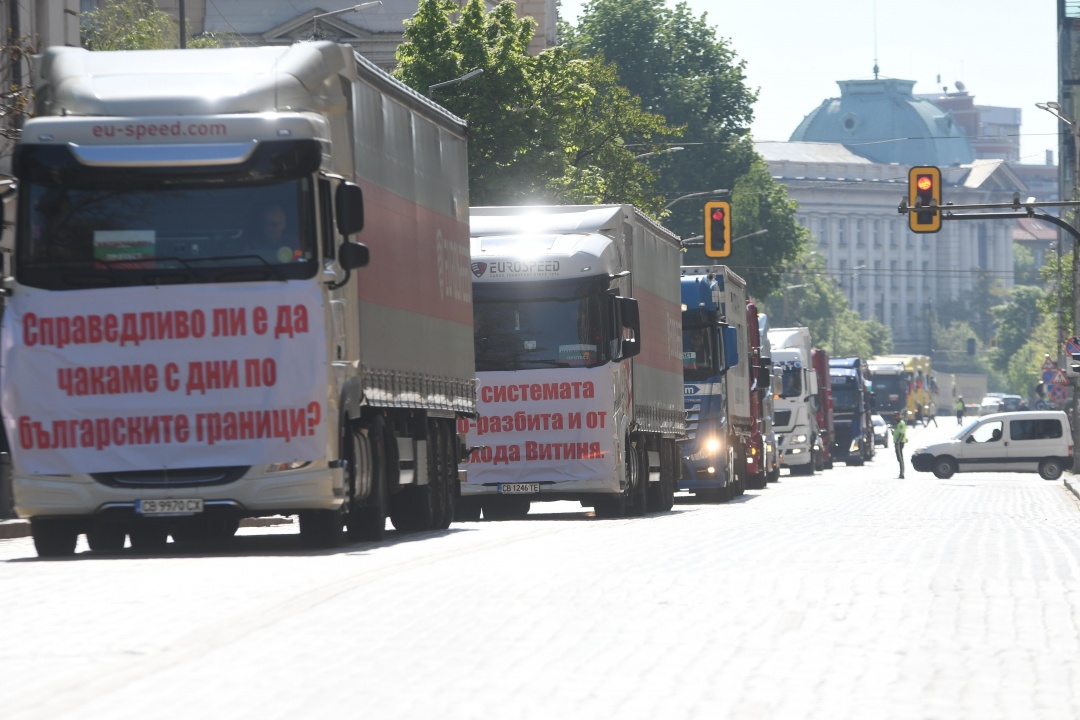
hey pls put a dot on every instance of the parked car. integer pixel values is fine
(881, 431)
(1025, 441)
(991, 404)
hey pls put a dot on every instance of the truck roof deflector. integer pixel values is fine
(153, 155)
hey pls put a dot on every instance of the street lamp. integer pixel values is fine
(666, 151)
(471, 74)
(1055, 109)
(354, 8)
(696, 194)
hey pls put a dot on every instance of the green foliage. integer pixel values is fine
(1024, 270)
(135, 25)
(547, 129)
(1024, 366)
(680, 69)
(1015, 320)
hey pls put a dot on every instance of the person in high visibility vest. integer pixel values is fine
(899, 436)
(960, 410)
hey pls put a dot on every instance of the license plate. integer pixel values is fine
(519, 488)
(170, 506)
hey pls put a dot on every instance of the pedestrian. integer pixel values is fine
(899, 436)
(960, 410)
(931, 416)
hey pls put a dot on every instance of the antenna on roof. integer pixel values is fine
(875, 41)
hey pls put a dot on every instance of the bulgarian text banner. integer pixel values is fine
(542, 425)
(164, 377)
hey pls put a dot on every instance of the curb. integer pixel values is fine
(1072, 484)
(21, 528)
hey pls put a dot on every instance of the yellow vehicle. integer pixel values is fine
(921, 386)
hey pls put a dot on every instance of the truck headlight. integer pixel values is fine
(800, 438)
(854, 446)
(712, 445)
(282, 467)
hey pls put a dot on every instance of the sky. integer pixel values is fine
(1003, 51)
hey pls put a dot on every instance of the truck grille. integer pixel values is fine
(183, 477)
(782, 418)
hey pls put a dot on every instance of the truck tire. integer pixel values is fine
(149, 537)
(106, 537)
(662, 494)
(321, 529)
(420, 508)
(637, 461)
(448, 465)
(54, 537)
(366, 521)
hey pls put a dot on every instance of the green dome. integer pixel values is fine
(882, 121)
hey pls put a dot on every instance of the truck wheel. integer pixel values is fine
(638, 474)
(366, 521)
(1050, 469)
(468, 510)
(662, 494)
(149, 538)
(419, 508)
(106, 537)
(54, 537)
(322, 529)
(506, 508)
(944, 467)
(448, 464)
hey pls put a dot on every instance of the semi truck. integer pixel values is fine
(757, 469)
(853, 429)
(795, 414)
(770, 386)
(921, 393)
(892, 392)
(193, 334)
(578, 334)
(824, 406)
(717, 453)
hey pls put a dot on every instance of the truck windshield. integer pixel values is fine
(792, 386)
(845, 397)
(701, 356)
(890, 392)
(82, 227)
(523, 326)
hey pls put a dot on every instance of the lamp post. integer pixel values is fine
(1055, 109)
(354, 8)
(469, 75)
(696, 194)
(665, 151)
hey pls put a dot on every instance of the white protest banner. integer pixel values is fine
(140, 378)
(543, 426)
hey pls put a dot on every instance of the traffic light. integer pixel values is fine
(924, 190)
(718, 229)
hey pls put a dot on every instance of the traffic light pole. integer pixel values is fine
(1025, 210)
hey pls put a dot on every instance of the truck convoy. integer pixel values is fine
(795, 414)
(578, 358)
(853, 430)
(185, 343)
(824, 406)
(717, 383)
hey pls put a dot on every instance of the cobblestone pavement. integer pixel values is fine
(850, 594)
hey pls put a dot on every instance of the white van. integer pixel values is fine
(1026, 441)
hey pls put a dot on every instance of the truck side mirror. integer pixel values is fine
(353, 255)
(349, 208)
(627, 317)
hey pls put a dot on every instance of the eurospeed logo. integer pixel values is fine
(140, 131)
(517, 268)
(478, 268)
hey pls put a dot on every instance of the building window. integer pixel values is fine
(841, 233)
(926, 275)
(879, 311)
(894, 279)
(843, 273)
(909, 273)
(875, 232)
(878, 280)
(860, 237)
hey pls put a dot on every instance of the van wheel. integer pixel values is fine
(54, 537)
(944, 467)
(1050, 469)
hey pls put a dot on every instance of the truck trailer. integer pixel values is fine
(189, 337)
(578, 336)
(824, 406)
(717, 453)
(770, 386)
(795, 413)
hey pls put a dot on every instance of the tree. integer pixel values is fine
(1015, 321)
(675, 63)
(551, 128)
(135, 25)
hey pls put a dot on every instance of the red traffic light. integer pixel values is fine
(925, 182)
(718, 214)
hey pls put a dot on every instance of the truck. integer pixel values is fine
(824, 406)
(167, 370)
(795, 413)
(770, 381)
(971, 387)
(578, 333)
(920, 398)
(853, 429)
(717, 384)
(888, 379)
(757, 468)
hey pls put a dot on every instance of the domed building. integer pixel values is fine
(884, 122)
(846, 166)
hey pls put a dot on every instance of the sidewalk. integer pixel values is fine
(1072, 483)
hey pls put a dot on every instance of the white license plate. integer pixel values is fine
(170, 506)
(519, 488)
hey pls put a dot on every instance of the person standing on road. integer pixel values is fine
(899, 437)
(960, 410)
